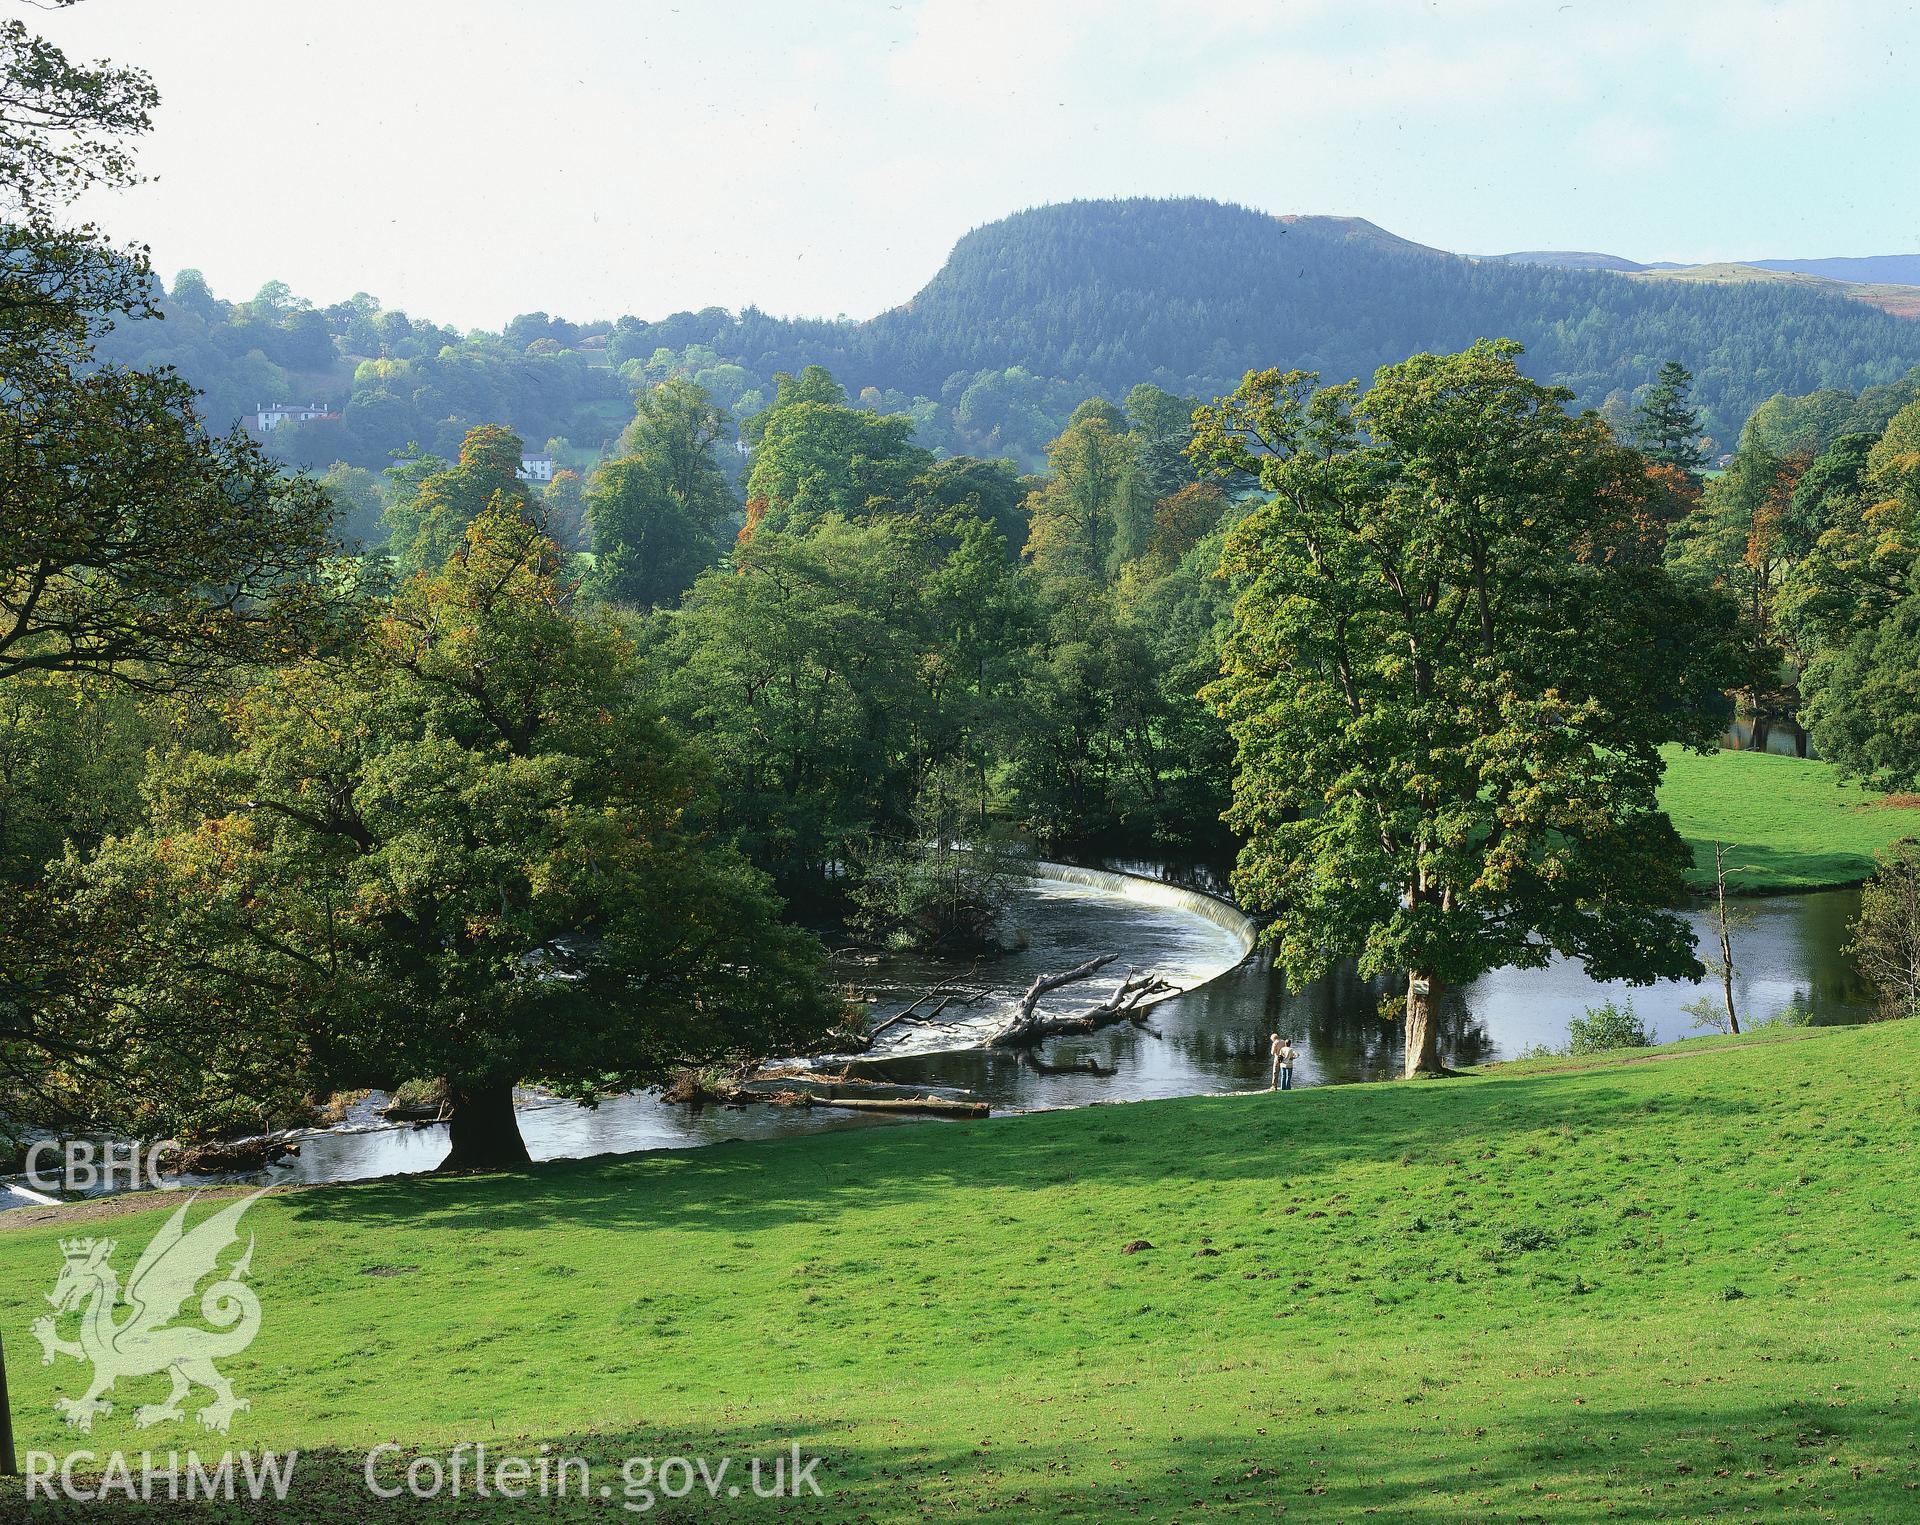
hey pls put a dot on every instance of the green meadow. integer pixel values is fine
(1664, 1284)
(1790, 823)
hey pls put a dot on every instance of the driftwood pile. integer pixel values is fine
(810, 1088)
(222, 1155)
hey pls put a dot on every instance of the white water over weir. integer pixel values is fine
(1184, 936)
(1139, 889)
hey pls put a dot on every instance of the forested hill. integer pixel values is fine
(1190, 294)
(1028, 316)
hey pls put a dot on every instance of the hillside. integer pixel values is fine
(1900, 300)
(1792, 823)
(1029, 315)
(1868, 269)
(1568, 259)
(1192, 293)
(1668, 1284)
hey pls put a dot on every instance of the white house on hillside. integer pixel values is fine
(535, 468)
(271, 415)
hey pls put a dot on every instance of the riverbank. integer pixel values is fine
(1666, 1283)
(1791, 823)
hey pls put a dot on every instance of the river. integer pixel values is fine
(1209, 1039)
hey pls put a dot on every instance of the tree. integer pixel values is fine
(357, 501)
(1447, 699)
(1666, 426)
(801, 672)
(814, 457)
(1161, 425)
(427, 525)
(994, 490)
(138, 554)
(563, 509)
(1863, 701)
(657, 508)
(132, 545)
(814, 384)
(1725, 920)
(136, 547)
(1886, 936)
(462, 855)
(1181, 522)
(1076, 517)
(981, 621)
(1092, 757)
(1741, 539)
(946, 884)
(1858, 551)
(63, 126)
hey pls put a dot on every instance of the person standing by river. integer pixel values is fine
(1283, 1057)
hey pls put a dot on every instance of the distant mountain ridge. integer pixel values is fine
(1568, 259)
(1869, 269)
(1863, 269)
(1190, 294)
(1032, 313)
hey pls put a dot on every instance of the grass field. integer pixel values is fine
(1794, 824)
(1670, 1284)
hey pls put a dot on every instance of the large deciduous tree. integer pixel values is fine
(462, 854)
(804, 674)
(1078, 517)
(814, 456)
(1447, 680)
(428, 524)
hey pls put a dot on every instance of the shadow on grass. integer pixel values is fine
(1796, 1459)
(1782, 870)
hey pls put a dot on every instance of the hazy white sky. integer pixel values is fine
(470, 159)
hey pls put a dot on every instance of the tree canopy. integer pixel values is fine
(658, 507)
(1448, 677)
(460, 854)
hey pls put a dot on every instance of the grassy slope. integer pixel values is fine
(1662, 1286)
(1794, 822)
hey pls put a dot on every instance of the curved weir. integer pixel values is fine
(1138, 888)
(1185, 936)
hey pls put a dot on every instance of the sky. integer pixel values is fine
(467, 160)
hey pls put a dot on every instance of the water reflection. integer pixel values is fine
(1782, 737)
(1209, 1040)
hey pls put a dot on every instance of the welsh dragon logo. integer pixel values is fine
(146, 1340)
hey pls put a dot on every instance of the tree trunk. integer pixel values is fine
(483, 1130)
(1726, 970)
(1726, 936)
(1423, 1026)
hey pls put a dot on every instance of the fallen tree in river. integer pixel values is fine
(1028, 1024)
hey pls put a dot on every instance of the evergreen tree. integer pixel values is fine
(1666, 425)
